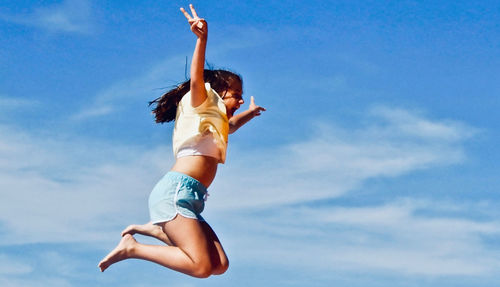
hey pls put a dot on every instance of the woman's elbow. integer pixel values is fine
(232, 127)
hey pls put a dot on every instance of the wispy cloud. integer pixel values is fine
(330, 163)
(392, 238)
(403, 237)
(415, 124)
(69, 16)
(119, 94)
(335, 160)
(34, 282)
(8, 103)
(43, 177)
(101, 187)
(11, 266)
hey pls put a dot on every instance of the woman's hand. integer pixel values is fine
(254, 108)
(198, 25)
(235, 122)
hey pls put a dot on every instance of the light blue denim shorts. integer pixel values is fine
(177, 193)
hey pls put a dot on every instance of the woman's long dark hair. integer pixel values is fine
(166, 106)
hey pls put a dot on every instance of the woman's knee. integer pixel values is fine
(221, 268)
(203, 269)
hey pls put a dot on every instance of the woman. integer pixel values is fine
(203, 108)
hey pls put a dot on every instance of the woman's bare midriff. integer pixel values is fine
(202, 168)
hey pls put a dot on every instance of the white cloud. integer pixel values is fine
(69, 186)
(76, 190)
(414, 124)
(96, 110)
(393, 238)
(335, 160)
(122, 92)
(71, 190)
(34, 282)
(69, 16)
(11, 266)
(8, 103)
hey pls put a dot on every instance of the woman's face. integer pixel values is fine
(232, 98)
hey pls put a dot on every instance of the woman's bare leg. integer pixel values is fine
(190, 254)
(148, 229)
(218, 256)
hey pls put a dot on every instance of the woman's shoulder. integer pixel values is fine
(211, 93)
(213, 99)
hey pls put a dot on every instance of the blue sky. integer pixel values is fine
(376, 163)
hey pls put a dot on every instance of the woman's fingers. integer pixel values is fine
(260, 109)
(256, 109)
(186, 14)
(194, 18)
(193, 11)
(252, 103)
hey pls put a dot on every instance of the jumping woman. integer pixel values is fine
(203, 109)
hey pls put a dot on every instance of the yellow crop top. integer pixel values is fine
(192, 125)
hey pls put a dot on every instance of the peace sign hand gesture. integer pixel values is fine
(198, 25)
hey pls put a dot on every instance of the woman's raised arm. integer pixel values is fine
(200, 29)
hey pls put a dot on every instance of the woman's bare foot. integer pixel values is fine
(148, 229)
(122, 251)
